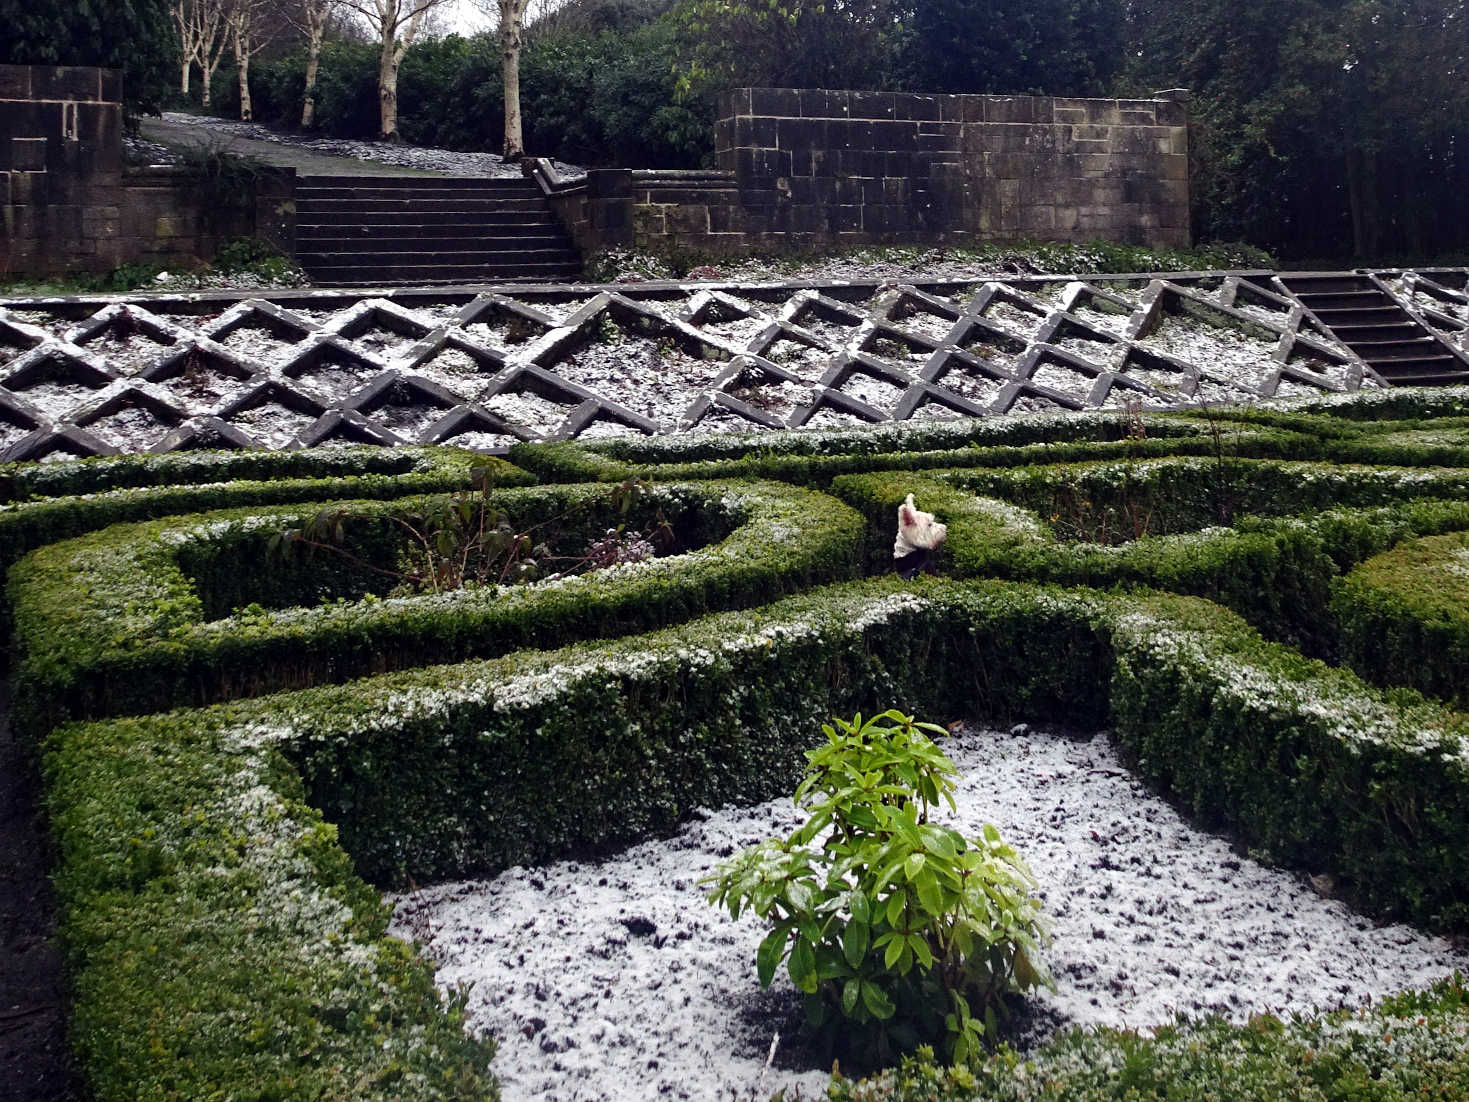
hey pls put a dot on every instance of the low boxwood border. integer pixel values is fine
(1182, 493)
(72, 478)
(1405, 1048)
(45, 505)
(1436, 442)
(1404, 616)
(194, 876)
(1299, 757)
(815, 458)
(218, 943)
(110, 623)
(1276, 572)
(1389, 404)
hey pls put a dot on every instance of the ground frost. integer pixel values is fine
(614, 980)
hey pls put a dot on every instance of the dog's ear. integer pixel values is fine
(908, 513)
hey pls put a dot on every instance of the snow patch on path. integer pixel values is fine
(613, 980)
(426, 158)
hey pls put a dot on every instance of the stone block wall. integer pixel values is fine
(816, 167)
(60, 169)
(67, 203)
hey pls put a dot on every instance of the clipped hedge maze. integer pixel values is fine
(1266, 608)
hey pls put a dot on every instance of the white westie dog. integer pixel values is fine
(919, 536)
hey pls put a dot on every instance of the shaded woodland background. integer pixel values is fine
(1326, 131)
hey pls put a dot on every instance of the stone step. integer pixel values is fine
(455, 258)
(1346, 300)
(359, 231)
(1421, 366)
(357, 275)
(1304, 284)
(420, 219)
(406, 195)
(1432, 375)
(507, 225)
(1377, 315)
(1381, 351)
(1395, 330)
(318, 244)
(435, 204)
(346, 185)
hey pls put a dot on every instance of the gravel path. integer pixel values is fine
(615, 981)
(325, 156)
(182, 132)
(35, 1062)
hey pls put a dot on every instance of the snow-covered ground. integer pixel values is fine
(614, 979)
(424, 158)
(787, 355)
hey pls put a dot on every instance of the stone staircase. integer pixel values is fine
(1360, 312)
(354, 231)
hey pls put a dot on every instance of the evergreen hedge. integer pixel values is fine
(148, 616)
(1404, 616)
(216, 937)
(815, 458)
(43, 503)
(1275, 571)
(213, 863)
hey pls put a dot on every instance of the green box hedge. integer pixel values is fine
(1275, 571)
(1404, 616)
(217, 939)
(113, 623)
(1410, 1047)
(1389, 404)
(43, 503)
(814, 458)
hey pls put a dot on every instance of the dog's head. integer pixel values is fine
(917, 530)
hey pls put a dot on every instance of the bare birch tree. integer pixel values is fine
(396, 24)
(311, 17)
(512, 17)
(249, 34)
(202, 27)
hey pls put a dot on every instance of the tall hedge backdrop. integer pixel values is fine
(1325, 130)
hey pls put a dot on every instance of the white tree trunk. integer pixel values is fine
(308, 104)
(203, 35)
(511, 15)
(387, 89)
(247, 113)
(396, 24)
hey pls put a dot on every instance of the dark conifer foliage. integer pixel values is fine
(135, 36)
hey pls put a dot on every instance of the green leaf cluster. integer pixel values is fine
(896, 929)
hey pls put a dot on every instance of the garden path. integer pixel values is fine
(181, 133)
(34, 1063)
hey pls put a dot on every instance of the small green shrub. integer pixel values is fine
(251, 255)
(893, 924)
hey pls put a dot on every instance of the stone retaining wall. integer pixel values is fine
(814, 167)
(68, 204)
